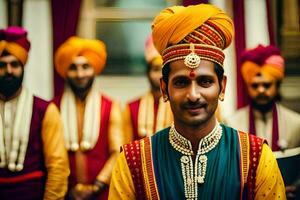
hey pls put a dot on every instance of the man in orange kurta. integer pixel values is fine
(92, 121)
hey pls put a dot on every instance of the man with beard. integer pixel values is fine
(263, 70)
(33, 160)
(149, 113)
(92, 121)
(195, 158)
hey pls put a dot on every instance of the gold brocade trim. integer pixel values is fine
(146, 116)
(148, 170)
(244, 158)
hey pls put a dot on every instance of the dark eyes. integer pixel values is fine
(74, 66)
(265, 85)
(14, 64)
(181, 82)
(201, 81)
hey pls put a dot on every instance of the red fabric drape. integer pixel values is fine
(193, 2)
(240, 44)
(65, 14)
(270, 23)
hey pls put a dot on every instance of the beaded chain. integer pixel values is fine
(192, 175)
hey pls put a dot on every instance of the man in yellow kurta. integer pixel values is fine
(92, 121)
(33, 160)
(148, 114)
(195, 158)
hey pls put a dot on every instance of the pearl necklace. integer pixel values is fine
(192, 175)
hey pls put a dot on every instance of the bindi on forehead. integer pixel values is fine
(192, 73)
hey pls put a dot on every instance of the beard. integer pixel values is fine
(10, 84)
(154, 86)
(80, 90)
(263, 108)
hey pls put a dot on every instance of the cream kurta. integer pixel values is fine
(288, 123)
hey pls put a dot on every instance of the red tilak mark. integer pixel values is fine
(192, 73)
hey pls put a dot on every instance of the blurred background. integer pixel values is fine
(124, 26)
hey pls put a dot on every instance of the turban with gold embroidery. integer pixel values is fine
(151, 54)
(93, 50)
(14, 41)
(206, 26)
(264, 60)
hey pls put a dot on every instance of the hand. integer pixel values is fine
(290, 191)
(83, 192)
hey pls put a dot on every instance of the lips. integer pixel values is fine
(194, 108)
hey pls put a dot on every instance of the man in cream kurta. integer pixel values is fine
(263, 71)
(33, 160)
(92, 121)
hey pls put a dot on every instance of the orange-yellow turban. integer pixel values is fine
(14, 41)
(93, 50)
(204, 25)
(265, 60)
(151, 54)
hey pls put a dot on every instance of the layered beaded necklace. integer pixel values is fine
(192, 175)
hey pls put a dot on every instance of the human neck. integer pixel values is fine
(81, 95)
(5, 98)
(195, 133)
(156, 94)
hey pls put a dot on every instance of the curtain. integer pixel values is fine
(65, 14)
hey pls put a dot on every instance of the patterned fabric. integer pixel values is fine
(224, 160)
(205, 25)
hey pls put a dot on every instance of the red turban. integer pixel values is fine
(265, 60)
(14, 41)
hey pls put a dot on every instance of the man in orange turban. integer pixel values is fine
(263, 71)
(195, 158)
(148, 114)
(32, 153)
(92, 121)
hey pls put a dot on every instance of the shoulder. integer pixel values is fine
(40, 104)
(237, 116)
(288, 112)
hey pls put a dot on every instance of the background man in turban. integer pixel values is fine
(92, 121)
(149, 113)
(195, 158)
(33, 160)
(263, 71)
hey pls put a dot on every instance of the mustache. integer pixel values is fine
(262, 97)
(194, 105)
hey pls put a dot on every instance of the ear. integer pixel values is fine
(163, 89)
(224, 82)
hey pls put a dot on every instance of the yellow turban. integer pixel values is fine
(265, 60)
(174, 24)
(93, 50)
(14, 40)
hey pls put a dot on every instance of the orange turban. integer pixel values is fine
(14, 41)
(265, 60)
(204, 25)
(151, 54)
(93, 50)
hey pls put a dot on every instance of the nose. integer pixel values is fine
(193, 94)
(9, 69)
(261, 89)
(80, 72)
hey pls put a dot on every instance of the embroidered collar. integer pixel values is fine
(206, 144)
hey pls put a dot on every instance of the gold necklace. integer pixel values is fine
(192, 175)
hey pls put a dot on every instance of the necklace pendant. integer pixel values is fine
(200, 179)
